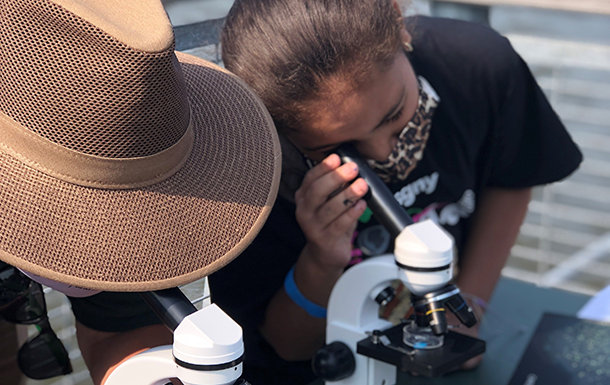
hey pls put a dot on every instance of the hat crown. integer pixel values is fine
(85, 80)
(124, 165)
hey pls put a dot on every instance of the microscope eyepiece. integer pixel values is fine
(380, 199)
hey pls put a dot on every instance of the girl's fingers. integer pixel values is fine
(329, 163)
(342, 202)
(346, 221)
(328, 186)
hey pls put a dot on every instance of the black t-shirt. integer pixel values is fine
(493, 128)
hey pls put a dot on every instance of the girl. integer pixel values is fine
(446, 112)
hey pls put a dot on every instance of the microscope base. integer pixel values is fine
(456, 350)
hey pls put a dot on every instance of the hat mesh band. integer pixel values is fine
(118, 102)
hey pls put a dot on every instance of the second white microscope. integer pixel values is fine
(363, 349)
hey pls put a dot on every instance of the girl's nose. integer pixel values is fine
(393, 142)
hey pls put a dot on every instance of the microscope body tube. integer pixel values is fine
(380, 199)
(170, 305)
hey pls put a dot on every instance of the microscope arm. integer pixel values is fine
(352, 302)
(152, 367)
(352, 313)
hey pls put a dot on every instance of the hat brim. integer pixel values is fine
(164, 235)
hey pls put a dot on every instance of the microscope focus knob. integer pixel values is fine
(334, 362)
(385, 296)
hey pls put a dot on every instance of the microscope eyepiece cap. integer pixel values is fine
(424, 245)
(208, 337)
(424, 254)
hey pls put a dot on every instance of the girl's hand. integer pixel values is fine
(327, 209)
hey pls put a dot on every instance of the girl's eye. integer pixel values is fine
(394, 117)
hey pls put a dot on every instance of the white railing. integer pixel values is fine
(565, 241)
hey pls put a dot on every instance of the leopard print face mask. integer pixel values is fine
(412, 140)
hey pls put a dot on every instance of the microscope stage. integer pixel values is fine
(457, 349)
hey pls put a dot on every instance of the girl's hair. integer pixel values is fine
(289, 50)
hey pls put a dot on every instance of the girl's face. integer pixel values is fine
(370, 117)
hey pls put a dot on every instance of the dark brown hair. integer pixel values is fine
(287, 49)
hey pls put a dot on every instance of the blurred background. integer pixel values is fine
(565, 240)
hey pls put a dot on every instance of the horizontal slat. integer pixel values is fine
(573, 214)
(595, 167)
(530, 277)
(591, 141)
(574, 87)
(555, 53)
(59, 311)
(199, 34)
(593, 6)
(66, 332)
(585, 260)
(598, 269)
(589, 115)
(557, 235)
(537, 255)
(586, 191)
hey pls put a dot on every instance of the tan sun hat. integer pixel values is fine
(124, 165)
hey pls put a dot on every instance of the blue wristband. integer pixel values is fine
(290, 286)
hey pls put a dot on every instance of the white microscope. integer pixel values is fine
(363, 349)
(208, 348)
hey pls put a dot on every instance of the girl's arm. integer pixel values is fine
(328, 206)
(495, 229)
(496, 226)
(294, 334)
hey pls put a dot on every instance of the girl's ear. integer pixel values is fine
(404, 35)
(397, 7)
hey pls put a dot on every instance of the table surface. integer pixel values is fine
(516, 308)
